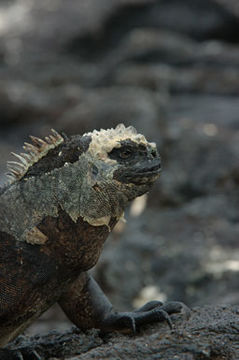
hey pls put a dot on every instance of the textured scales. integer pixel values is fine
(65, 196)
(102, 142)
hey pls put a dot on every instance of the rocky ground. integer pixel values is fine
(210, 333)
(171, 69)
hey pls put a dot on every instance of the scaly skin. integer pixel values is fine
(54, 219)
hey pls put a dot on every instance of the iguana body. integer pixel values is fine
(65, 197)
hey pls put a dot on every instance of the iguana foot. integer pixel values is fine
(23, 354)
(151, 312)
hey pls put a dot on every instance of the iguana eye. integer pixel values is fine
(125, 153)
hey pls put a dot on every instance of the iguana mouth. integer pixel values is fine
(147, 172)
(150, 168)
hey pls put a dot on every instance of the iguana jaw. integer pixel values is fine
(145, 173)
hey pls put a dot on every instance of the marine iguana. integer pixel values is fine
(64, 197)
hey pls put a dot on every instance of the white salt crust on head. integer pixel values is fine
(104, 141)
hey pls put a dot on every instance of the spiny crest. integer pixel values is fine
(34, 152)
(103, 141)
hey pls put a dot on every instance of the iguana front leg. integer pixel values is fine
(86, 306)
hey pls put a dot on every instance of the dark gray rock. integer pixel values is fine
(200, 148)
(189, 253)
(170, 68)
(210, 333)
(107, 107)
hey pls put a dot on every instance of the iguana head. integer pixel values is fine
(125, 158)
(92, 176)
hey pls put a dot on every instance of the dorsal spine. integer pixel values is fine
(34, 152)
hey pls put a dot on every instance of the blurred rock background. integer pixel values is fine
(171, 69)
